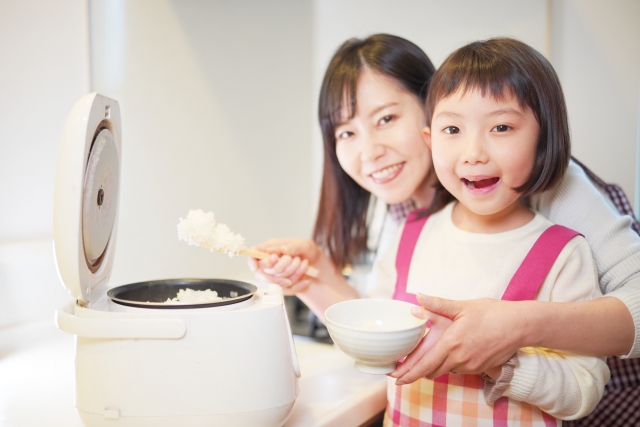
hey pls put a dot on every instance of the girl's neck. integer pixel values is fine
(514, 216)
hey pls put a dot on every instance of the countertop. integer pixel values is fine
(37, 380)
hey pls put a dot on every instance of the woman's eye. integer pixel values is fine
(501, 128)
(344, 135)
(385, 120)
(451, 130)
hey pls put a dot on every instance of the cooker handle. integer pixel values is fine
(67, 321)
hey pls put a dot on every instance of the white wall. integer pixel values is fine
(596, 52)
(216, 101)
(43, 46)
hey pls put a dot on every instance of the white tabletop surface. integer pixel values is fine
(37, 380)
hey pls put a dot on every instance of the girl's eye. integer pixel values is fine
(385, 119)
(451, 130)
(501, 128)
(344, 135)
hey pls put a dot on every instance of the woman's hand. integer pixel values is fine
(485, 333)
(287, 263)
(413, 365)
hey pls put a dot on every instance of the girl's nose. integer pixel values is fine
(474, 150)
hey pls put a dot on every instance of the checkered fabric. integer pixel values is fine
(620, 404)
(457, 400)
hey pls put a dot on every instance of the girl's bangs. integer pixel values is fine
(494, 78)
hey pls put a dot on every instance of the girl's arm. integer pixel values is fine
(287, 266)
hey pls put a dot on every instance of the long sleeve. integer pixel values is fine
(565, 385)
(576, 203)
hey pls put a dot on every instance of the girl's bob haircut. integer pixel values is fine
(341, 224)
(504, 67)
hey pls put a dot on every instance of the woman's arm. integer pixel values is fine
(486, 333)
(576, 203)
(287, 268)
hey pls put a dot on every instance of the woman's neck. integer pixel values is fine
(514, 216)
(425, 193)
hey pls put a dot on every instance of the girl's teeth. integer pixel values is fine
(385, 172)
(471, 184)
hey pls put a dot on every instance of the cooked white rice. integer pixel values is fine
(200, 229)
(189, 295)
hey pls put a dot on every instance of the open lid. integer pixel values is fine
(86, 196)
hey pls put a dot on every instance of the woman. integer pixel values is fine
(371, 118)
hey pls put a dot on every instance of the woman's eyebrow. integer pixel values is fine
(381, 107)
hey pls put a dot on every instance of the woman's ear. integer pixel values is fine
(426, 136)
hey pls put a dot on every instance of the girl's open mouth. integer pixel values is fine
(484, 185)
(387, 174)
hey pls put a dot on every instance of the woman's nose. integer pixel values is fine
(474, 150)
(371, 149)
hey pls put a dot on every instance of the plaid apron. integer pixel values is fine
(457, 400)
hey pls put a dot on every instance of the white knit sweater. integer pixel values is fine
(455, 264)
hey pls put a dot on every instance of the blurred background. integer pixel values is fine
(218, 102)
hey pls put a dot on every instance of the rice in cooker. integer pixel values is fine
(191, 296)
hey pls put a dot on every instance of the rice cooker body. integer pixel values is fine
(233, 365)
(228, 365)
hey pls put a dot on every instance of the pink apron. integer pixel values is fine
(459, 398)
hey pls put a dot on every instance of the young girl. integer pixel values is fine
(498, 131)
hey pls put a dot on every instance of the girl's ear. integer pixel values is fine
(426, 136)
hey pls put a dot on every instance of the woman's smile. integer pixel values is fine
(388, 173)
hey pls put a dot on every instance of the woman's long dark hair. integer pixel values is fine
(341, 224)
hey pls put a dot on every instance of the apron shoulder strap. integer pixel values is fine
(533, 271)
(410, 233)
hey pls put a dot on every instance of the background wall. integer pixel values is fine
(44, 70)
(218, 102)
(216, 107)
(596, 51)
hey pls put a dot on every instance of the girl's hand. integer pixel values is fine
(485, 333)
(287, 264)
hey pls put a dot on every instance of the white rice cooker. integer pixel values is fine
(140, 361)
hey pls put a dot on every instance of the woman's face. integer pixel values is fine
(382, 147)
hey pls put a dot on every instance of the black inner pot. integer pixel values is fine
(153, 294)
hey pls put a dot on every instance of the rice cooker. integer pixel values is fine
(139, 360)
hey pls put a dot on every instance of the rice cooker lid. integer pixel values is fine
(86, 196)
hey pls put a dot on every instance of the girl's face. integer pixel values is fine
(381, 147)
(482, 149)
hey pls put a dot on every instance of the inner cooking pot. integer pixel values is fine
(153, 294)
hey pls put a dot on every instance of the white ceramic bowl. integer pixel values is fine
(374, 332)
